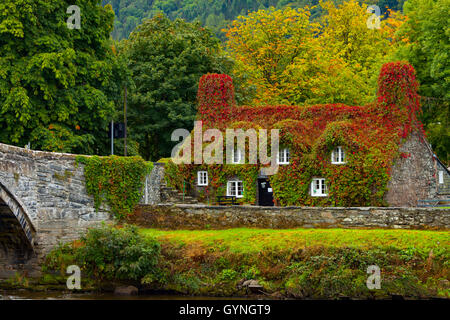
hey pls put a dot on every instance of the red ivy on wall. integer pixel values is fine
(215, 98)
(397, 94)
(370, 135)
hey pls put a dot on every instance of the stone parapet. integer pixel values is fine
(182, 216)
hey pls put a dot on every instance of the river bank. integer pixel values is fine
(253, 263)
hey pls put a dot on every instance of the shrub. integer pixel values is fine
(113, 253)
(227, 275)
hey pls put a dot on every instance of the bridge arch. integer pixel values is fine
(17, 232)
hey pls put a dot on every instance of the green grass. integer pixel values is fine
(245, 240)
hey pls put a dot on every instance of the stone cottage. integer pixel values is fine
(328, 155)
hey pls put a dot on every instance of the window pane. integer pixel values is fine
(240, 188)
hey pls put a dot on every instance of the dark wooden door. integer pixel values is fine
(265, 193)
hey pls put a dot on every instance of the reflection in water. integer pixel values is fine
(58, 295)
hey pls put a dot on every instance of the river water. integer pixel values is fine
(59, 295)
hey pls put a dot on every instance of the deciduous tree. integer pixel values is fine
(57, 84)
(167, 59)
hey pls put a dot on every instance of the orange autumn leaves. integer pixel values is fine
(290, 58)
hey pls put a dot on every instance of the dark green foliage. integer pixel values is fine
(112, 253)
(167, 59)
(57, 85)
(109, 253)
(428, 52)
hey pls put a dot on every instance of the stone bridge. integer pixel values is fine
(43, 201)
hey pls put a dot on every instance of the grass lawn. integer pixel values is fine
(245, 240)
(294, 263)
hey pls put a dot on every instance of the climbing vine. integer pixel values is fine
(117, 180)
(370, 135)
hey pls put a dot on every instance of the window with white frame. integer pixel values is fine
(319, 187)
(236, 156)
(441, 177)
(338, 156)
(235, 188)
(202, 178)
(283, 156)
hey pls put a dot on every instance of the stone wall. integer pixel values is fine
(51, 188)
(415, 177)
(182, 216)
(153, 182)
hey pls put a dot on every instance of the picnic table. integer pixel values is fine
(226, 200)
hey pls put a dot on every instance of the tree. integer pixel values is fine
(215, 14)
(167, 59)
(345, 34)
(428, 50)
(291, 59)
(265, 44)
(57, 84)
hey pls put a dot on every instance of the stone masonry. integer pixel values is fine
(185, 216)
(48, 190)
(415, 176)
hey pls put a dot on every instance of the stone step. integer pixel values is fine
(176, 196)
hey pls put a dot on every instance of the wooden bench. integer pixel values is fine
(226, 200)
(434, 203)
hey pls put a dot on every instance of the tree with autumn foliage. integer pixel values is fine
(290, 59)
(345, 34)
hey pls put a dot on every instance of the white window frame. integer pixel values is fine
(283, 156)
(237, 152)
(202, 178)
(236, 188)
(338, 155)
(322, 190)
(441, 177)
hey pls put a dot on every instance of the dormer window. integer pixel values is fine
(283, 156)
(202, 178)
(338, 156)
(236, 156)
(319, 188)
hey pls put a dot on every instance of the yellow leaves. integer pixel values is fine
(290, 59)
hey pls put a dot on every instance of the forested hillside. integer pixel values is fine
(215, 14)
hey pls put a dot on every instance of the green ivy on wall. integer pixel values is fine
(117, 180)
(370, 136)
